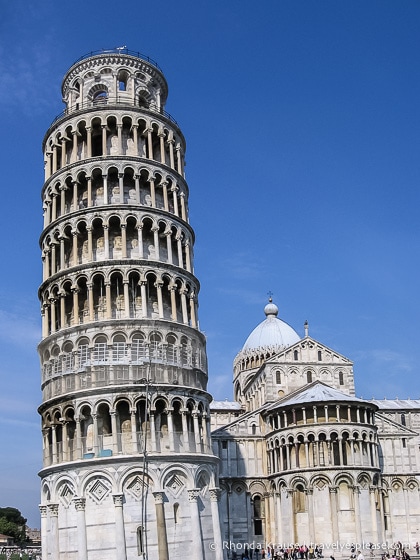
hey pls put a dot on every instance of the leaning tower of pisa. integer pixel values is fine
(128, 470)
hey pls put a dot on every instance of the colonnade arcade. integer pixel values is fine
(151, 423)
(322, 449)
(117, 236)
(117, 294)
(114, 185)
(350, 503)
(118, 134)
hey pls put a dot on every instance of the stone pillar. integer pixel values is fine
(120, 553)
(161, 135)
(357, 520)
(310, 497)
(217, 535)
(149, 148)
(80, 504)
(374, 517)
(124, 241)
(104, 150)
(174, 190)
(136, 144)
(196, 432)
(158, 286)
(184, 306)
(53, 541)
(152, 192)
(171, 143)
(183, 210)
(188, 256)
(44, 528)
(185, 434)
(119, 133)
(137, 184)
(89, 142)
(171, 431)
(75, 260)
(291, 515)
(333, 506)
(165, 196)
(79, 450)
(113, 415)
(163, 551)
(179, 248)
(279, 521)
(193, 311)
(105, 183)
(196, 546)
(89, 191)
(126, 299)
(74, 147)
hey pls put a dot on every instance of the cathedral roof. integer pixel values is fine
(272, 332)
(313, 393)
(396, 404)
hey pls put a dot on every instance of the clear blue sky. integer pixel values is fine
(302, 121)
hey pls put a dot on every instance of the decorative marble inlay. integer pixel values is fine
(98, 490)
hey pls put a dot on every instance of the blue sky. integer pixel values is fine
(302, 121)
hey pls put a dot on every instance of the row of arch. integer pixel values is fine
(121, 294)
(128, 80)
(120, 134)
(119, 348)
(147, 423)
(116, 237)
(106, 185)
(320, 413)
(322, 449)
(125, 480)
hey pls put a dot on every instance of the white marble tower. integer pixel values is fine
(128, 467)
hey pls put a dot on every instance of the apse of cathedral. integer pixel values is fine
(138, 461)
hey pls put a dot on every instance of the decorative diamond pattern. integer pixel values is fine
(66, 494)
(137, 486)
(99, 490)
(175, 485)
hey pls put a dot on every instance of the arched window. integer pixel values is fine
(319, 356)
(341, 378)
(403, 422)
(176, 513)
(100, 97)
(295, 355)
(309, 376)
(257, 516)
(140, 541)
(278, 377)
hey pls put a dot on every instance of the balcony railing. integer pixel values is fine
(119, 50)
(112, 103)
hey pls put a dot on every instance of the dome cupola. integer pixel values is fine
(272, 332)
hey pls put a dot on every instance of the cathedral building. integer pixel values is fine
(303, 460)
(138, 462)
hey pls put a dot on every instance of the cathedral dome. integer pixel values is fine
(272, 332)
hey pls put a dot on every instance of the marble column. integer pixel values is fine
(196, 545)
(80, 504)
(53, 541)
(44, 528)
(163, 551)
(217, 535)
(121, 553)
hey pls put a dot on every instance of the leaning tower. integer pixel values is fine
(128, 470)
